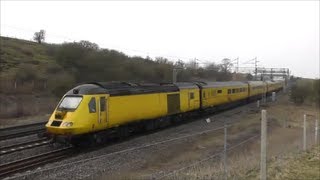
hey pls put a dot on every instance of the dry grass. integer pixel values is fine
(23, 120)
(191, 150)
(243, 162)
(283, 140)
(305, 165)
(22, 109)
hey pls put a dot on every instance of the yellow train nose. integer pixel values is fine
(60, 130)
(60, 127)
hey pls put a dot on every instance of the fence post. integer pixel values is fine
(258, 104)
(225, 152)
(263, 161)
(304, 132)
(316, 132)
(174, 75)
(273, 96)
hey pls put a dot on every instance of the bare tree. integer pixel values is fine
(226, 65)
(212, 67)
(39, 36)
(192, 64)
(89, 45)
(162, 60)
(179, 64)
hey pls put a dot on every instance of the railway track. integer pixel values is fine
(19, 131)
(24, 145)
(33, 161)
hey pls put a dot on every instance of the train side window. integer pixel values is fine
(92, 105)
(191, 95)
(233, 91)
(102, 103)
(204, 94)
(219, 91)
(229, 91)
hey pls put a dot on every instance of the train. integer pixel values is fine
(95, 111)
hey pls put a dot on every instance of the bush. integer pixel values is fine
(61, 84)
(305, 90)
(26, 72)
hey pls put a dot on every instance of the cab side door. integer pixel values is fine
(102, 110)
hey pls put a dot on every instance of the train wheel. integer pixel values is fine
(123, 132)
(98, 139)
(150, 125)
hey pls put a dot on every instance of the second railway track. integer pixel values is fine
(24, 145)
(23, 130)
(33, 161)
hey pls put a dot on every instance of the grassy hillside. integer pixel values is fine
(16, 53)
(57, 67)
(37, 75)
(27, 67)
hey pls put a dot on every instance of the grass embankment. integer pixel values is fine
(303, 165)
(284, 148)
(17, 54)
(26, 80)
(32, 69)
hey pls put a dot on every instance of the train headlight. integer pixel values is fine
(67, 124)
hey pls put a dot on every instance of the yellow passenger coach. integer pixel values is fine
(222, 93)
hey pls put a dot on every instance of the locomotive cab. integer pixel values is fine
(82, 110)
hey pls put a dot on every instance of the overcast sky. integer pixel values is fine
(280, 34)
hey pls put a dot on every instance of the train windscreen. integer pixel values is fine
(70, 103)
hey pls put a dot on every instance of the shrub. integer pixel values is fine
(304, 90)
(26, 72)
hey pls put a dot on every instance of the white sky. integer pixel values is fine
(280, 34)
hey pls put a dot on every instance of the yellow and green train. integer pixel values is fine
(98, 111)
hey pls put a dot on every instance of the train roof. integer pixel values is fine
(256, 83)
(122, 88)
(186, 85)
(221, 84)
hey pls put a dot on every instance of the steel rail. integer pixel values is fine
(33, 161)
(23, 130)
(24, 145)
